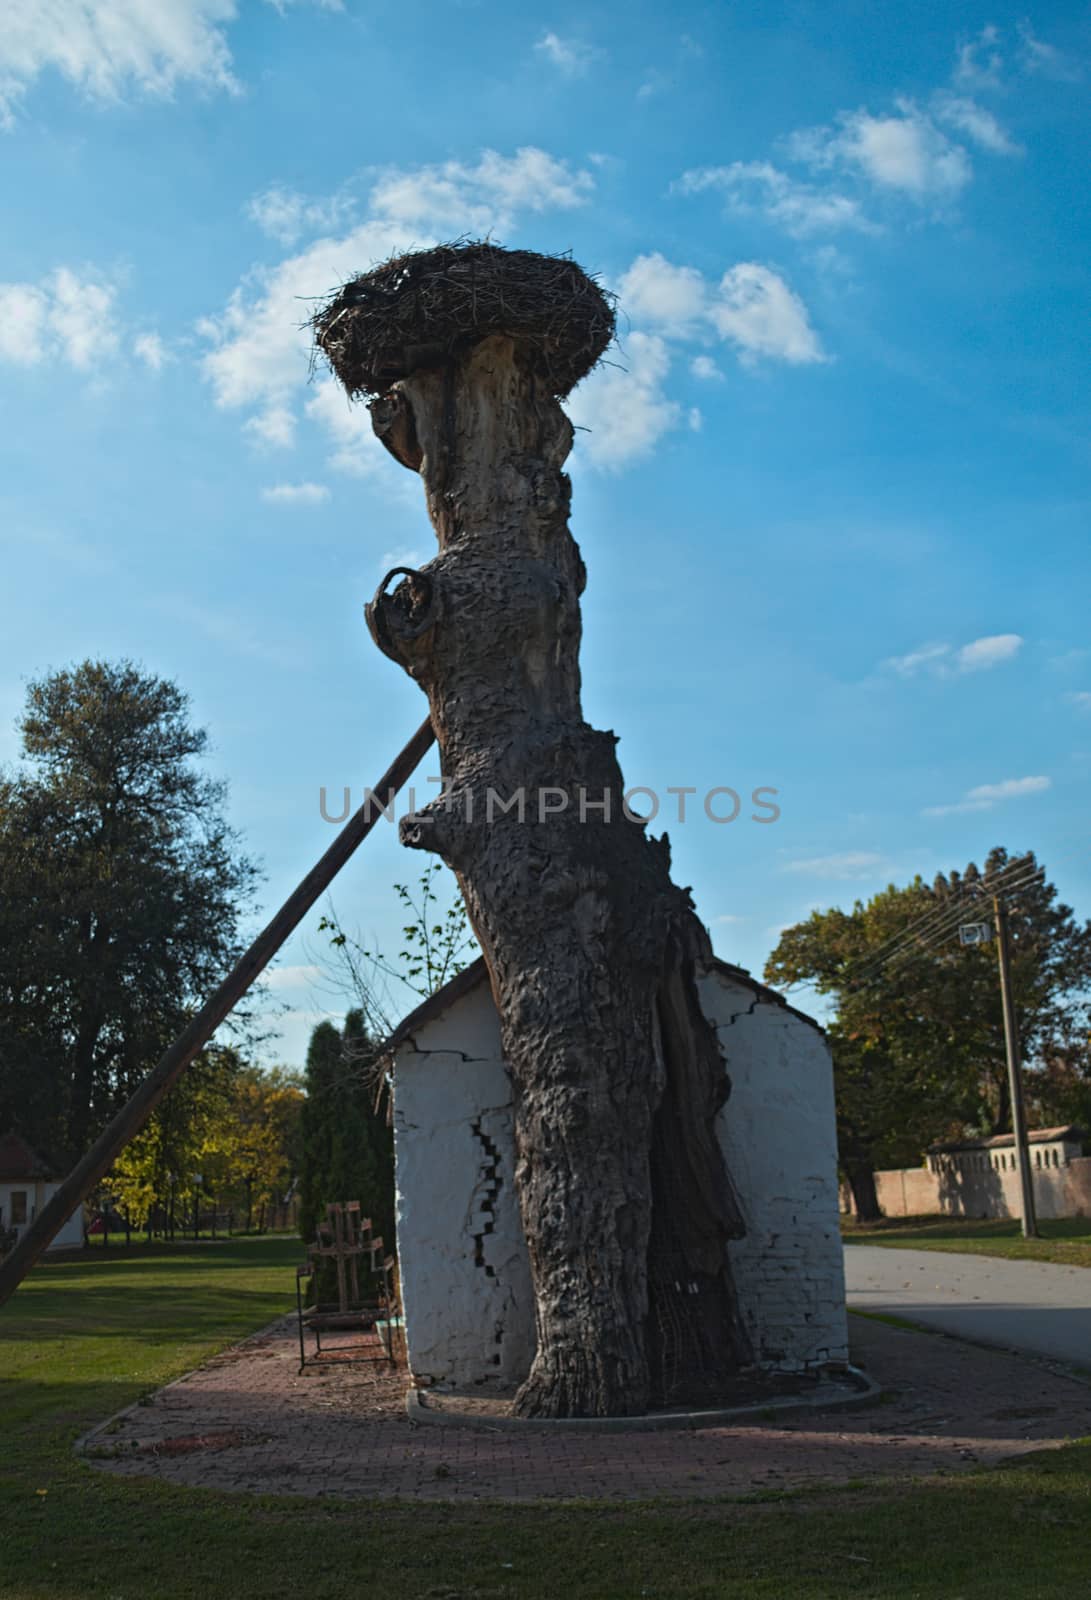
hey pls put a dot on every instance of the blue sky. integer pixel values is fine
(833, 496)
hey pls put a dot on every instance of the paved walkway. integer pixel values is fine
(1019, 1305)
(249, 1421)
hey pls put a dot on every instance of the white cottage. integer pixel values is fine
(465, 1276)
(26, 1183)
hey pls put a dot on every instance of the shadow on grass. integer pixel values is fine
(69, 1534)
(1014, 1533)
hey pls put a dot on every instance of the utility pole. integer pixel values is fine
(1015, 1071)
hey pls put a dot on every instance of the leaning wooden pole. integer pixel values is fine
(131, 1118)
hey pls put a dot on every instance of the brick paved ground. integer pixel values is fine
(249, 1421)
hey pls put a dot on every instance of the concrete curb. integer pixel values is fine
(827, 1397)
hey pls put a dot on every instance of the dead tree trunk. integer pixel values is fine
(591, 949)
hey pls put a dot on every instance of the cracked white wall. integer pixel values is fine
(466, 1291)
(779, 1137)
(469, 1306)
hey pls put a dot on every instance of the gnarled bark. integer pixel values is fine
(591, 949)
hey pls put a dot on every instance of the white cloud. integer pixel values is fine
(108, 47)
(23, 312)
(799, 208)
(945, 660)
(752, 307)
(848, 864)
(626, 411)
(1010, 789)
(149, 348)
(569, 56)
(405, 557)
(1045, 60)
(355, 447)
(81, 317)
(981, 654)
(65, 317)
(292, 977)
(726, 918)
(1080, 698)
(667, 76)
(756, 311)
(979, 63)
(284, 214)
(906, 152)
(673, 298)
(927, 656)
(261, 353)
(454, 196)
(296, 494)
(111, 48)
(260, 347)
(656, 82)
(705, 368)
(978, 124)
(987, 795)
(272, 428)
(982, 63)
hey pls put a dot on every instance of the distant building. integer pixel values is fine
(1050, 1149)
(980, 1178)
(465, 1274)
(26, 1183)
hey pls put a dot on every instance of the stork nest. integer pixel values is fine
(419, 310)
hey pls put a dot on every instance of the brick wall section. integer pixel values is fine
(779, 1137)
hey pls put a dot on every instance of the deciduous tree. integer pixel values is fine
(918, 1034)
(123, 887)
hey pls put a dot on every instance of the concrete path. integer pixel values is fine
(1020, 1305)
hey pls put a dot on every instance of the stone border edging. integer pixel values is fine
(828, 1398)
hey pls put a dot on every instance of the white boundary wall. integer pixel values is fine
(469, 1306)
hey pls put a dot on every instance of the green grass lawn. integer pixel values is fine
(1066, 1241)
(83, 1338)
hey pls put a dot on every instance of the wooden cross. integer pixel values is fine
(344, 1237)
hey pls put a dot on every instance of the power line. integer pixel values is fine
(935, 915)
(951, 916)
(903, 944)
(934, 926)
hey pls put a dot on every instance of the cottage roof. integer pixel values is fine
(762, 991)
(1069, 1134)
(463, 983)
(477, 973)
(19, 1161)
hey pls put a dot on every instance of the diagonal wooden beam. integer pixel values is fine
(131, 1118)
